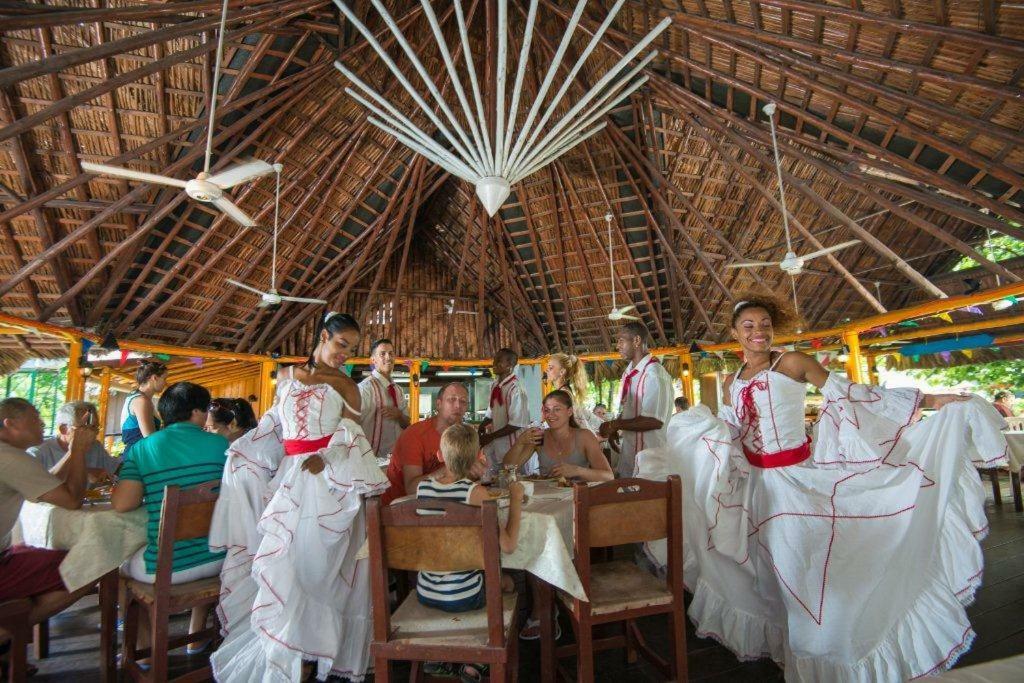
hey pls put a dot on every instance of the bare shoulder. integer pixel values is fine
(348, 389)
(726, 383)
(797, 361)
(587, 438)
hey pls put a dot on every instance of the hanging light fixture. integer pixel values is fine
(494, 153)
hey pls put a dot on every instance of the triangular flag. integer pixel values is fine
(968, 352)
(946, 356)
(945, 316)
(124, 357)
(816, 344)
(348, 369)
(975, 310)
(86, 345)
(197, 361)
(916, 358)
(908, 323)
(163, 356)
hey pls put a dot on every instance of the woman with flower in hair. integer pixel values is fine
(311, 597)
(846, 557)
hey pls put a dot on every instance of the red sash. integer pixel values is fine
(791, 456)
(303, 446)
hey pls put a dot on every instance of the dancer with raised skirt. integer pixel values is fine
(846, 558)
(312, 601)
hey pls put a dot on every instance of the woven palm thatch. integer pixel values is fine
(900, 126)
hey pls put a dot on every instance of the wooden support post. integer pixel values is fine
(414, 390)
(267, 384)
(75, 389)
(872, 360)
(686, 366)
(104, 403)
(853, 370)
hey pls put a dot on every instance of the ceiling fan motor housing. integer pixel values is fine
(203, 191)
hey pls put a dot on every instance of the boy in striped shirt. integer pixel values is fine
(463, 591)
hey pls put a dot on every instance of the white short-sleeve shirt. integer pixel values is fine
(376, 395)
(511, 409)
(646, 390)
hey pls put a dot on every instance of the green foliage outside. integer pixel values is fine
(997, 248)
(982, 378)
(43, 388)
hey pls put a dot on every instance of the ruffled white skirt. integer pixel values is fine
(841, 573)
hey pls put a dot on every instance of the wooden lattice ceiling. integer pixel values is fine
(901, 125)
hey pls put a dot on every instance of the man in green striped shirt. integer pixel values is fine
(181, 454)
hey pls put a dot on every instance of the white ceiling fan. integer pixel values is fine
(791, 263)
(204, 187)
(449, 309)
(271, 297)
(616, 313)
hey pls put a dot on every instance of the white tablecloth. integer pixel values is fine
(1015, 440)
(545, 539)
(97, 540)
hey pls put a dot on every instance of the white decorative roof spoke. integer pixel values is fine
(494, 161)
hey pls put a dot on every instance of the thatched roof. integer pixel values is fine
(900, 125)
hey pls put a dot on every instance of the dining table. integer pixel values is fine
(96, 537)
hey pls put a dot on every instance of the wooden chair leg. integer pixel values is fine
(131, 631)
(108, 626)
(382, 670)
(679, 670)
(585, 653)
(158, 634)
(416, 672)
(630, 652)
(993, 476)
(41, 639)
(499, 672)
(1018, 504)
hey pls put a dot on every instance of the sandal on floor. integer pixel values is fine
(473, 673)
(531, 629)
(443, 669)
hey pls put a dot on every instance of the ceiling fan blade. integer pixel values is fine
(236, 283)
(753, 264)
(627, 308)
(829, 250)
(628, 317)
(129, 174)
(301, 300)
(239, 216)
(236, 175)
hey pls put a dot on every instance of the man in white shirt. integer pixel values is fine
(385, 409)
(100, 467)
(645, 401)
(508, 409)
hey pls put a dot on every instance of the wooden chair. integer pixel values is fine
(19, 617)
(455, 537)
(184, 515)
(619, 512)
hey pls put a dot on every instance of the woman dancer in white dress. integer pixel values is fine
(851, 564)
(569, 374)
(312, 599)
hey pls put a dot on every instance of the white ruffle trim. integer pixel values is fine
(749, 636)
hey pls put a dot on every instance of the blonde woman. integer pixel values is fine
(567, 373)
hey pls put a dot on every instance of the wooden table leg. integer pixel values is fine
(1018, 504)
(108, 626)
(548, 662)
(41, 639)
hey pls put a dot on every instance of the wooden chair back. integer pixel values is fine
(184, 515)
(625, 511)
(444, 537)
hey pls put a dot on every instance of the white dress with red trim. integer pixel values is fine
(853, 563)
(313, 598)
(252, 461)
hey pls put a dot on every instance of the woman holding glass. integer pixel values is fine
(564, 449)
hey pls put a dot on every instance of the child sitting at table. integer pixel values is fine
(456, 481)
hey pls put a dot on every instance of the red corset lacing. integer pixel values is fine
(749, 417)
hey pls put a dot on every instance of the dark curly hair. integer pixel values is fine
(784, 318)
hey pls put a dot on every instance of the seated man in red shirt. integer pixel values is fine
(417, 453)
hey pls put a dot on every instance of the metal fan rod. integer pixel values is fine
(467, 56)
(524, 55)
(215, 85)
